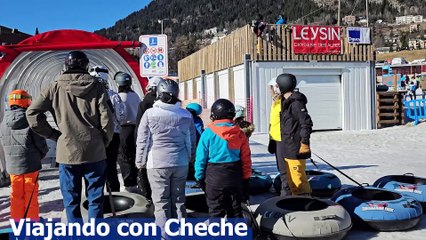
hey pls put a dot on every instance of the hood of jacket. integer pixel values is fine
(16, 119)
(295, 96)
(78, 84)
(167, 106)
(226, 129)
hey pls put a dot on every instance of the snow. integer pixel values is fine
(363, 155)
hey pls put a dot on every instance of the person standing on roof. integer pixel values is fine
(79, 105)
(147, 103)
(127, 150)
(24, 150)
(119, 110)
(296, 127)
(165, 145)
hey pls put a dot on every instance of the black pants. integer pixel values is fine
(281, 164)
(143, 183)
(112, 154)
(224, 201)
(127, 154)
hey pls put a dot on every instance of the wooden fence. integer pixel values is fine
(275, 45)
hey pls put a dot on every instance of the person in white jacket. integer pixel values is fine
(119, 110)
(165, 145)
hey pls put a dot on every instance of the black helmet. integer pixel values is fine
(286, 82)
(76, 60)
(167, 90)
(222, 109)
(123, 79)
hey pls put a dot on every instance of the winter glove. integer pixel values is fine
(246, 190)
(304, 148)
(55, 135)
(272, 146)
(200, 184)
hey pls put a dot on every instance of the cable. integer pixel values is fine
(356, 3)
(309, 14)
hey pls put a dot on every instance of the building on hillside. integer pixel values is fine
(409, 19)
(11, 35)
(339, 85)
(382, 50)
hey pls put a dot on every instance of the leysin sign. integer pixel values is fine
(153, 61)
(316, 40)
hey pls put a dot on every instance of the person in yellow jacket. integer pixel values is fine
(295, 131)
(275, 136)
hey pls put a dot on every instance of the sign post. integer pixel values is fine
(154, 60)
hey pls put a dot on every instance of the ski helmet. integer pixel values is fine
(101, 73)
(19, 98)
(167, 90)
(239, 111)
(123, 79)
(286, 82)
(76, 60)
(222, 109)
(273, 83)
(153, 83)
(194, 107)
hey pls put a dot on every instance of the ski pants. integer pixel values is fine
(283, 170)
(127, 155)
(296, 175)
(22, 186)
(111, 161)
(224, 201)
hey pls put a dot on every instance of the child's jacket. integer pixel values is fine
(223, 155)
(23, 148)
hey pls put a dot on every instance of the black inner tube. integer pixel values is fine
(409, 179)
(375, 194)
(302, 204)
(121, 203)
(197, 203)
(314, 173)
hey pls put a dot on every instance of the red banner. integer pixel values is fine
(316, 40)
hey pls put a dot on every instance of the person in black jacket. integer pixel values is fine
(147, 103)
(296, 128)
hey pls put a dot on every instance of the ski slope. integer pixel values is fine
(363, 155)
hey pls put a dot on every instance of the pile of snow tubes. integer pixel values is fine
(407, 184)
(323, 184)
(303, 218)
(259, 182)
(379, 209)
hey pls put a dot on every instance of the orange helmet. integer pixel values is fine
(19, 98)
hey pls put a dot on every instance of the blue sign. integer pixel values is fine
(160, 57)
(153, 41)
(146, 64)
(153, 57)
(146, 58)
(160, 64)
(355, 35)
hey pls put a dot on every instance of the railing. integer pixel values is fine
(274, 45)
(415, 109)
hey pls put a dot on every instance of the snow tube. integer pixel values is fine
(259, 182)
(4, 233)
(303, 218)
(406, 184)
(127, 205)
(379, 209)
(323, 184)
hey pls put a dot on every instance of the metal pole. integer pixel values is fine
(162, 27)
(338, 15)
(203, 89)
(247, 58)
(366, 10)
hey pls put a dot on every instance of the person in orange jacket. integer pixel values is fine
(24, 150)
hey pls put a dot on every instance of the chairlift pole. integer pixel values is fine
(366, 10)
(338, 14)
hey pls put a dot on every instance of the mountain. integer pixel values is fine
(185, 21)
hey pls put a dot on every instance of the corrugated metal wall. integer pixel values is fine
(357, 81)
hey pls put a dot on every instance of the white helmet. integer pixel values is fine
(153, 83)
(273, 83)
(101, 73)
(239, 111)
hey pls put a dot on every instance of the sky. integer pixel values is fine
(47, 15)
